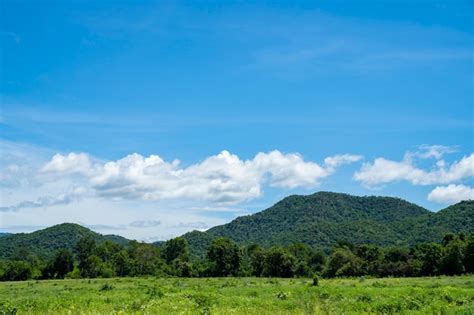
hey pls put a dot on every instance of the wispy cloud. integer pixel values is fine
(47, 201)
(145, 223)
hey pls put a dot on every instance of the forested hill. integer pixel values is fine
(318, 220)
(323, 218)
(46, 242)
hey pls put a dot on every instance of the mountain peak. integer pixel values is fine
(322, 218)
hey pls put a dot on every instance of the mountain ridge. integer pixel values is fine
(318, 220)
(323, 218)
(45, 242)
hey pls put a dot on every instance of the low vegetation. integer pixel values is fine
(438, 295)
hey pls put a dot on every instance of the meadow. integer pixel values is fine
(436, 295)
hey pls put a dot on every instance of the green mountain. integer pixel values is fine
(319, 220)
(323, 218)
(44, 243)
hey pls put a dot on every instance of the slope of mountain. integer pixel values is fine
(4, 234)
(323, 218)
(44, 243)
(318, 220)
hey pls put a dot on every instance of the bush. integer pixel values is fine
(106, 287)
(17, 271)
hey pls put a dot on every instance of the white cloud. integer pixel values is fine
(432, 151)
(46, 201)
(382, 171)
(451, 194)
(73, 163)
(145, 223)
(333, 162)
(223, 178)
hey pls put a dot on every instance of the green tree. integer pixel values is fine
(176, 248)
(226, 257)
(430, 255)
(469, 254)
(257, 259)
(92, 267)
(371, 257)
(146, 259)
(107, 250)
(63, 263)
(317, 261)
(396, 263)
(85, 249)
(452, 262)
(279, 263)
(122, 263)
(302, 253)
(182, 268)
(448, 238)
(17, 270)
(343, 262)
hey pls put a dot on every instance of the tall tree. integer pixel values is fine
(343, 262)
(279, 263)
(453, 260)
(63, 263)
(176, 248)
(226, 257)
(469, 254)
(85, 248)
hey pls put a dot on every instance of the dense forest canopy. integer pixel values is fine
(321, 219)
(224, 257)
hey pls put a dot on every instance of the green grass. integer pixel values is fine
(438, 295)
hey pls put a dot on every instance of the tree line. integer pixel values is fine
(454, 256)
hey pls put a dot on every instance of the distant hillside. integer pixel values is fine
(45, 242)
(4, 234)
(323, 218)
(319, 220)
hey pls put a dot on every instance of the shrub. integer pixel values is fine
(106, 287)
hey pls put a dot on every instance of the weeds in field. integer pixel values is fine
(444, 295)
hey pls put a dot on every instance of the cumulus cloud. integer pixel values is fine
(451, 194)
(71, 163)
(382, 171)
(222, 178)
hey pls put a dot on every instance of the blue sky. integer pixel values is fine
(384, 88)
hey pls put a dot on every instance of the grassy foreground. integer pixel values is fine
(441, 295)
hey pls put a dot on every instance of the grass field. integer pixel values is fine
(441, 295)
